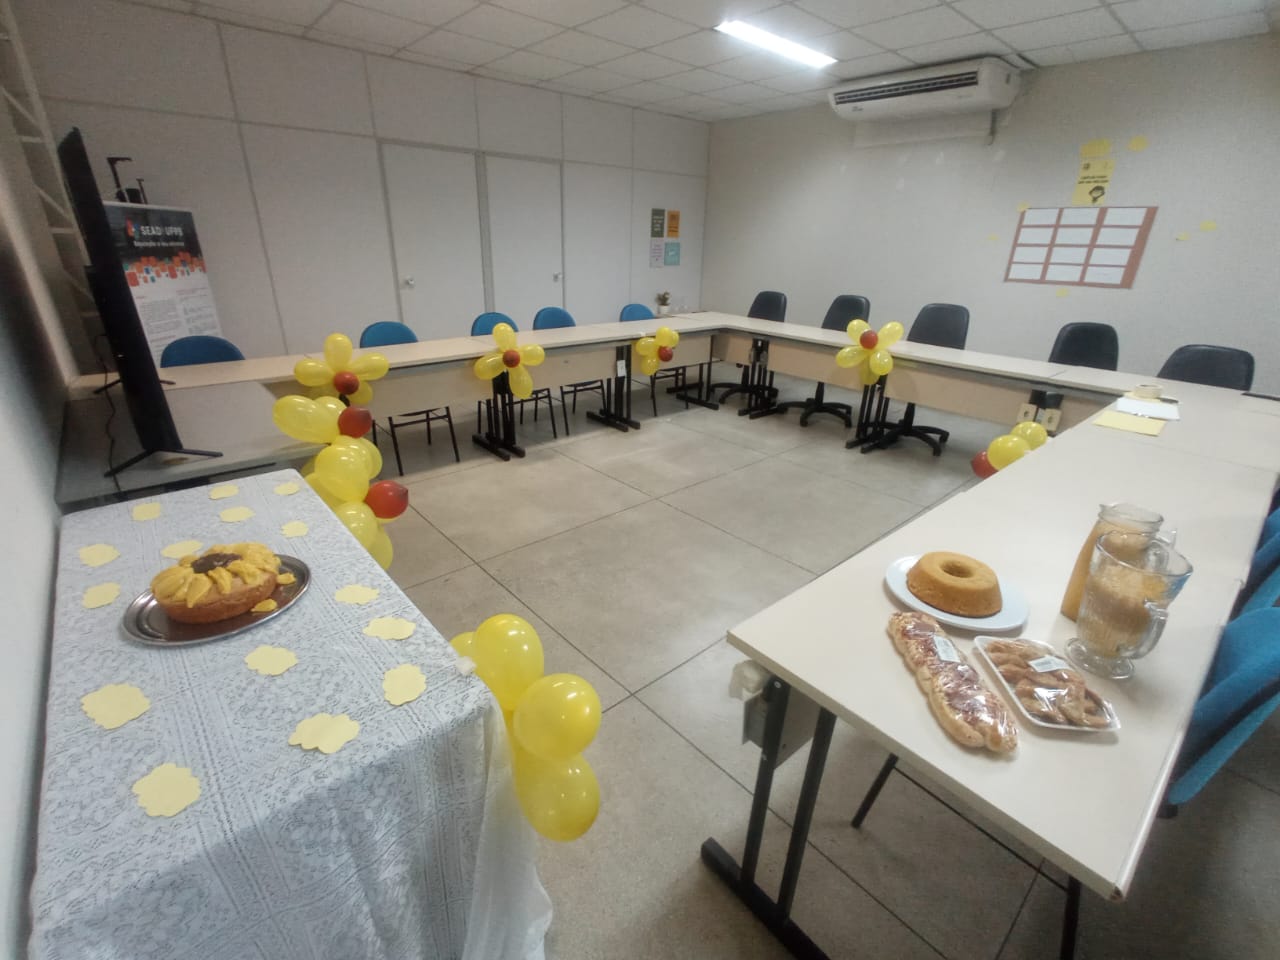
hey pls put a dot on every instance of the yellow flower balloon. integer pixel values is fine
(511, 359)
(652, 352)
(558, 716)
(340, 371)
(508, 656)
(870, 349)
(560, 798)
(1034, 433)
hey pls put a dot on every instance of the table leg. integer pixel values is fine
(776, 915)
(869, 427)
(616, 412)
(1070, 920)
(499, 437)
(701, 395)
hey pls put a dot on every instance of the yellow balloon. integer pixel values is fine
(359, 519)
(880, 362)
(489, 366)
(304, 419)
(867, 375)
(366, 449)
(344, 471)
(857, 328)
(337, 351)
(1034, 433)
(381, 549)
(558, 716)
(313, 373)
(362, 396)
(890, 334)
(666, 337)
(370, 366)
(649, 365)
(1005, 449)
(560, 798)
(520, 381)
(332, 404)
(647, 347)
(532, 354)
(462, 643)
(504, 336)
(508, 656)
(850, 356)
(331, 499)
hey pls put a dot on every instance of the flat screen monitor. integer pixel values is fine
(143, 393)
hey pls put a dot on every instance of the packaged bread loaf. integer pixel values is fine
(970, 712)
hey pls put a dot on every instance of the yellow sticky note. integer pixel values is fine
(96, 554)
(390, 628)
(1094, 149)
(286, 489)
(1128, 421)
(270, 661)
(294, 528)
(993, 237)
(235, 514)
(101, 595)
(264, 606)
(403, 684)
(1208, 225)
(114, 705)
(166, 790)
(1062, 292)
(324, 732)
(1024, 207)
(146, 511)
(284, 579)
(223, 491)
(1138, 144)
(354, 593)
(176, 551)
(1182, 236)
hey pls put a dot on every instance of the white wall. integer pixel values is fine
(795, 205)
(272, 140)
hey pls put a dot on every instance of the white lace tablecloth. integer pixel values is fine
(406, 843)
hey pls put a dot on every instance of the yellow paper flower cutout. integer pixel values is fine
(97, 554)
(870, 349)
(223, 491)
(166, 790)
(652, 352)
(270, 661)
(286, 489)
(176, 551)
(340, 372)
(294, 528)
(390, 628)
(100, 595)
(324, 732)
(355, 594)
(403, 684)
(146, 511)
(235, 514)
(114, 705)
(511, 359)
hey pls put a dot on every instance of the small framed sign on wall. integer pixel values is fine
(1079, 246)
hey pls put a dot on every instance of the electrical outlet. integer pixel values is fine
(1027, 412)
(1051, 420)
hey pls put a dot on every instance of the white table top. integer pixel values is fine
(1085, 802)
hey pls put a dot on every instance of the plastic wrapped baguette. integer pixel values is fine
(971, 713)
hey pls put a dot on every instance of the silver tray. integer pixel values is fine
(146, 622)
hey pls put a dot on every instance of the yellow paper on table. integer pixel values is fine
(114, 705)
(356, 594)
(235, 514)
(390, 628)
(96, 554)
(167, 790)
(1128, 421)
(146, 511)
(176, 551)
(403, 684)
(100, 595)
(223, 491)
(270, 661)
(324, 732)
(286, 489)
(294, 528)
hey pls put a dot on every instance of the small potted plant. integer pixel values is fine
(664, 303)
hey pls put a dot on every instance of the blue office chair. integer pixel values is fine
(635, 311)
(186, 351)
(386, 333)
(482, 326)
(554, 318)
(843, 309)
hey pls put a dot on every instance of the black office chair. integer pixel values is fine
(1087, 345)
(768, 305)
(846, 307)
(942, 325)
(1213, 366)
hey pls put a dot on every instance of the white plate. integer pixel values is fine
(1012, 616)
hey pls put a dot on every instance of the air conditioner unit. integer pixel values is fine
(963, 87)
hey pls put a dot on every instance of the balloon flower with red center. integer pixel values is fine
(652, 352)
(511, 359)
(340, 372)
(870, 349)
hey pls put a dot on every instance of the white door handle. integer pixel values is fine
(409, 282)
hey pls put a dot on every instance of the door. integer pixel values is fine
(435, 226)
(525, 237)
(597, 241)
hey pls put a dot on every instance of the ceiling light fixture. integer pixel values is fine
(775, 44)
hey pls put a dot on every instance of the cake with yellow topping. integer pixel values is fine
(223, 582)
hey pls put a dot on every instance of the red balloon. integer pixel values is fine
(354, 422)
(665, 354)
(511, 358)
(868, 340)
(981, 465)
(387, 499)
(346, 382)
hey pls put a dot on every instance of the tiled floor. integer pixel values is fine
(632, 554)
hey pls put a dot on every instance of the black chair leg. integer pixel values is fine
(653, 394)
(448, 418)
(564, 408)
(876, 786)
(395, 445)
(551, 414)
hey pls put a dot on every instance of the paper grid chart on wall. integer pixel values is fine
(1080, 246)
